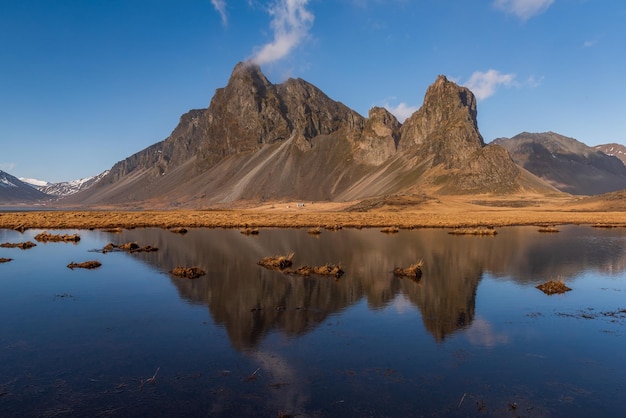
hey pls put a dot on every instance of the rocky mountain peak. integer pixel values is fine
(259, 140)
(380, 136)
(445, 125)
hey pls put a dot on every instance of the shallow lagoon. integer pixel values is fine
(472, 337)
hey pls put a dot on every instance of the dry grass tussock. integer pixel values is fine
(250, 231)
(188, 272)
(21, 245)
(552, 287)
(92, 264)
(325, 270)
(47, 237)
(474, 231)
(283, 264)
(5, 260)
(277, 262)
(414, 270)
(131, 247)
(548, 229)
(390, 230)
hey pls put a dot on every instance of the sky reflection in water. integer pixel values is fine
(472, 336)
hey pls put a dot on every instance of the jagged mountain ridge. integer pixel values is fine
(65, 188)
(567, 164)
(13, 190)
(260, 141)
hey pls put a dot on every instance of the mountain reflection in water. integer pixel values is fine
(250, 301)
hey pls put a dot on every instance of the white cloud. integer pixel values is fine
(524, 9)
(220, 6)
(534, 82)
(291, 22)
(401, 111)
(484, 84)
(7, 167)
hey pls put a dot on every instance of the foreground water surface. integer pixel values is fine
(471, 337)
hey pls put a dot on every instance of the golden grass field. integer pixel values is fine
(448, 212)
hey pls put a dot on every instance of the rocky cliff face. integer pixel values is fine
(379, 137)
(261, 141)
(445, 126)
(567, 164)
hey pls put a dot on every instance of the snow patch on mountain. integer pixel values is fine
(34, 182)
(67, 188)
(5, 182)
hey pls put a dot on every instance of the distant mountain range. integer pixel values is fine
(567, 164)
(259, 141)
(614, 150)
(65, 188)
(15, 191)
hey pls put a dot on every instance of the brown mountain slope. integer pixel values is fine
(614, 150)
(567, 164)
(259, 141)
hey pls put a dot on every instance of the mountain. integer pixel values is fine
(261, 141)
(13, 191)
(614, 150)
(65, 188)
(567, 164)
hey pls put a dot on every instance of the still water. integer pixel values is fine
(471, 337)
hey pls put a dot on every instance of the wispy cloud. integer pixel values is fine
(589, 44)
(485, 84)
(220, 6)
(291, 22)
(401, 111)
(7, 167)
(524, 9)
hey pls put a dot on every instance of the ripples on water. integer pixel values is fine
(471, 337)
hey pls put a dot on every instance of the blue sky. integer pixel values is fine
(84, 84)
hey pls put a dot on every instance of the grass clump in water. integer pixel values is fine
(21, 245)
(552, 287)
(188, 272)
(325, 270)
(84, 265)
(277, 262)
(474, 231)
(414, 270)
(47, 237)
